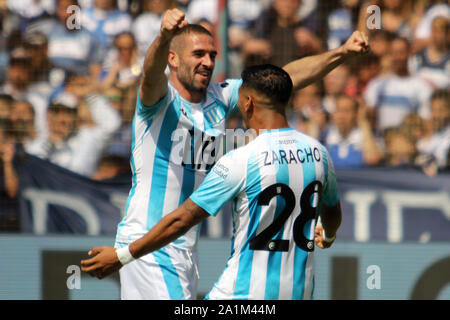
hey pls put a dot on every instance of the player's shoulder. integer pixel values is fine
(303, 137)
(312, 142)
(218, 88)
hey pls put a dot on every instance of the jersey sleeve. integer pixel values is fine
(148, 112)
(230, 93)
(330, 195)
(225, 180)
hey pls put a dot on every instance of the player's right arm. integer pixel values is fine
(154, 81)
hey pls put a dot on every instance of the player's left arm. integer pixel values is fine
(310, 69)
(168, 229)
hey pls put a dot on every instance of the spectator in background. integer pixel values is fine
(392, 97)
(22, 120)
(9, 182)
(5, 107)
(146, 26)
(44, 74)
(341, 23)
(434, 148)
(36, 46)
(350, 140)
(335, 84)
(242, 16)
(105, 21)
(279, 37)
(400, 147)
(110, 167)
(397, 16)
(203, 10)
(380, 42)
(433, 62)
(69, 145)
(122, 67)
(20, 87)
(308, 114)
(74, 50)
(124, 101)
(30, 11)
(366, 68)
(422, 33)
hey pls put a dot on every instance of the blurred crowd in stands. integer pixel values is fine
(69, 76)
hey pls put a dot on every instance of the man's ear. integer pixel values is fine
(250, 104)
(173, 59)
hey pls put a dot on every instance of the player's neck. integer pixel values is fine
(268, 121)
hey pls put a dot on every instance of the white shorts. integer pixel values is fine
(167, 274)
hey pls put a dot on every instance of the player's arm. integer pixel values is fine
(310, 69)
(168, 229)
(154, 81)
(331, 218)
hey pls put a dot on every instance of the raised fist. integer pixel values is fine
(356, 44)
(172, 21)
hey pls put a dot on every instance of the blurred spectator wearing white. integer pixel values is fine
(433, 62)
(30, 10)
(123, 66)
(146, 26)
(350, 140)
(423, 30)
(391, 97)
(19, 86)
(105, 21)
(340, 23)
(434, 149)
(74, 50)
(73, 146)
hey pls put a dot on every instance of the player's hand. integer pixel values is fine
(172, 21)
(104, 262)
(318, 238)
(358, 43)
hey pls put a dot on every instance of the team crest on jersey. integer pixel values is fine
(224, 84)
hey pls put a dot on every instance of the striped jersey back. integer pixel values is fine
(277, 183)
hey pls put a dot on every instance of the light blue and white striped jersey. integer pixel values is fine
(173, 147)
(276, 183)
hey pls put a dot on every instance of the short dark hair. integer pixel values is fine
(271, 81)
(194, 28)
(190, 28)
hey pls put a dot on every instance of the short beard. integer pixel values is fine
(189, 82)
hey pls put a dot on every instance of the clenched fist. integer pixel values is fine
(172, 21)
(358, 43)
